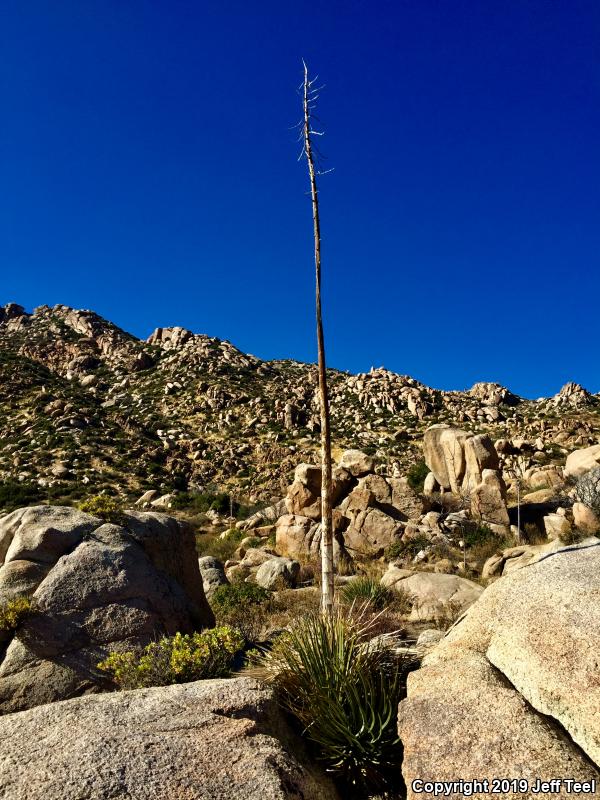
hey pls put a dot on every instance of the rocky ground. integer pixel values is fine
(86, 407)
(476, 513)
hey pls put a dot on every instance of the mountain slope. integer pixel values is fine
(86, 406)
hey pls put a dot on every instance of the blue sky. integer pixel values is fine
(149, 172)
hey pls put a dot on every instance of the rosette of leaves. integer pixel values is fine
(344, 688)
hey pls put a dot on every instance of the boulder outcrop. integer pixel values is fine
(215, 739)
(514, 558)
(457, 458)
(278, 573)
(212, 573)
(433, 595)
(488, 501)
(581, 461)
(513, 688)
(369, 514)
(94, 586)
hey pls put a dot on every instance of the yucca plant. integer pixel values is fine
(344, 688)
(369, 591)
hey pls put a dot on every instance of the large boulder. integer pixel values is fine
(302, 501)
(585, 519)
(434, 595)
(357, 463)
(457, 458)
(278, 573)
(265, 516)
(498, 693)
(212, 573)
(556, 526)
(221, 739)
(515, 558)
(95, 587)
(304, 495)
(493, 394)
(581, 461)
(370, 532)
(296, 535)
(300, 537)
(488, 499)
(393, 495)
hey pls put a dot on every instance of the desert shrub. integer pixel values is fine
(406, 548)
(367, 591)
(416, 475)
(310, 573)
(447, 502)
(200, 502)
(533, 534)
(208, 544)
(176, 659)
(446, 614)
(571, 536)
(481, 534)
(402, 601)
(345, 565)
(344, 688)
(245, 606)
(13, 611)
(588, 490)
(14, 494)
(290, 604)
(231, 597)
(107, 508)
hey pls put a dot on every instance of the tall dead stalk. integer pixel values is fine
(310, 95)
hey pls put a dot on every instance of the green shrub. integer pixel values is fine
(416, 475)
(12, 612)
(407, 548)
(107, 508)
(231, 597)
(344, 690)
(479, 535)
(245, 606)
(200, 502)
(208, 544)
(176, 659)
(367, 591)
(14, 494)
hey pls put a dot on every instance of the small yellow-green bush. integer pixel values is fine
(13, 611)
(176, 659)
(107, 508)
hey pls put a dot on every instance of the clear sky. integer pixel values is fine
(148, 171)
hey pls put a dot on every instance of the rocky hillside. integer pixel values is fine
(86, 407)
